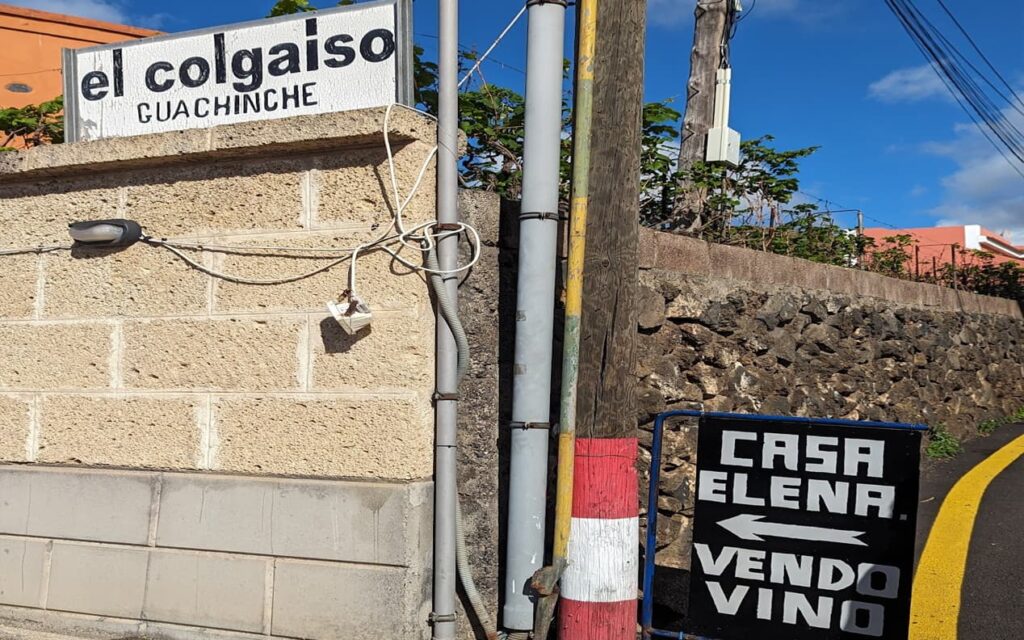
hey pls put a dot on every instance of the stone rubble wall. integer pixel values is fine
(725, 329)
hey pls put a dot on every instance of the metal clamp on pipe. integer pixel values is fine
(533, 3)
(529, 425)
(434, 618)
(542, 215)
(448, 226)
(444, 397)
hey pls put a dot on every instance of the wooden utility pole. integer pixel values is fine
(712, 22)
(604, 506)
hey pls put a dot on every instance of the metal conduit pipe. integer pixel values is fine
(451, 315)
(535, 310)
(446, 398)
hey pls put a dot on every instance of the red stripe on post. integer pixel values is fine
(605, 478)
(597, 620)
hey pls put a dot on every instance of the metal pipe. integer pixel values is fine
(446, 400)
(647, 608)
(535, 311)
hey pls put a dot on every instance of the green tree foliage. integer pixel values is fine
(892, 257)
(34, 124)
(980, 273)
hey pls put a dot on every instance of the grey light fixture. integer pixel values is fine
(106, 233)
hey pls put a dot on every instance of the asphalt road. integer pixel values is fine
(992, 592)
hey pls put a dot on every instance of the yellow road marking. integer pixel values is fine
(935, 607)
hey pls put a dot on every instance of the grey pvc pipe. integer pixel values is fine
(446, 406)
(465, 569)
(535, 310)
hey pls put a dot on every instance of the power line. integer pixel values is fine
(494, 45)
(844, 208)
(949, 62)
(978, 50)
(471, 50)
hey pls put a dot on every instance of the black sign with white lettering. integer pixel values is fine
(803, 530)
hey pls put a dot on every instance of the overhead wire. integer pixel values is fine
(494, 45)
(949, 63)
(980, 53)
(943, 54)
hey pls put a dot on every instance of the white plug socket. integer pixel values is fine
(353, 316)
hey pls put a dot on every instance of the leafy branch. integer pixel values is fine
(33, 124)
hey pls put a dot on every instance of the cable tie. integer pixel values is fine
(530, 425)
(542, 215)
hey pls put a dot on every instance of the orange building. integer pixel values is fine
(30, 50)
(933, 247)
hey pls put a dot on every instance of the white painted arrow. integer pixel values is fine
(750, 527)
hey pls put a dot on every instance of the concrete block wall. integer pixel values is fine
(142, 374)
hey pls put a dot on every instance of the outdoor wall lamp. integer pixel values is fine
(106, 233)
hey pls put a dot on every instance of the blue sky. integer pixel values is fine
(840, 74)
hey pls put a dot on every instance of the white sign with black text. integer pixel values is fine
(803, 530)
(339, 59)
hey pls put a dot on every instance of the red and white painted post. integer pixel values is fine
(599, 586)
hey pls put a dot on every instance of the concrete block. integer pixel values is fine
(382, 281)
(348, 128)
(38, 213)
(313, 600)
(139, 280)
(21, 571)
(206, 590)
(104, 581)
(19, 623)
(96, 155)
(355, 186)
(386, 438)
(393, 353)
(55, 356)
(20, 277)
(244, 354)
(109, 506)
(14, 428)
(124, 431)
(364, 522)
(210, 197)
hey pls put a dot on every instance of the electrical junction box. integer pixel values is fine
(723, 142)
(723, 146)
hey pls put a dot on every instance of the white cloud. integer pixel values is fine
(985, 189)
(106, 10)
(909, 85)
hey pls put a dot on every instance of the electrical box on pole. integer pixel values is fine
(723, 142)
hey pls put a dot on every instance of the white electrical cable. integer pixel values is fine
(421, 238)
(493, 46)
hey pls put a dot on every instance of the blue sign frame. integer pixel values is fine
(647, 610)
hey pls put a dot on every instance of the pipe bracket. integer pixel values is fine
(531, 3)
(541, 215)
(448, 226)
(530, 425)
(435, 618)
(444, 397)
